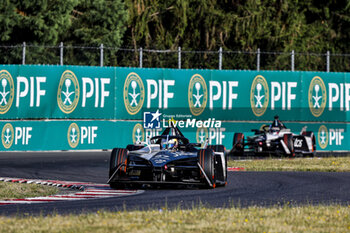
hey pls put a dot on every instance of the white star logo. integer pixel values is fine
(155, 116)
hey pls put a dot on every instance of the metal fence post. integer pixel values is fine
(220, 58)
(292, 60)
(141, 57)
(101, 55)
(179, 57)
(61, 54)
(258, 60)
(24, 54)
(328, 60)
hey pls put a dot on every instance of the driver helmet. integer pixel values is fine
(163, 143)
(172, 143)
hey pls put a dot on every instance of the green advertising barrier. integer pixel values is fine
(105, 104)
(235, 95)
(36, 92)
(76, 92)
(89, 135)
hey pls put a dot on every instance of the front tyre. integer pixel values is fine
(220, 164)
(313, 138)
(288, 141)
(118, 157)
(206, 160)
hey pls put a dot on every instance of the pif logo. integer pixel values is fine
(6, 91)
(197, 94)
(317, 96)
(7, 135)
(138, 134)
(73, 135)
(68, 92)
(202, 135)
(322, 136)
(134, 93)
(259, 95)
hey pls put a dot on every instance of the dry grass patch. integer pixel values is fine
(330, 164)
(16, 190)
(252, 219)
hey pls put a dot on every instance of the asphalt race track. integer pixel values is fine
(243, 189)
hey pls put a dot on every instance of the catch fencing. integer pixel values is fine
(173, 58)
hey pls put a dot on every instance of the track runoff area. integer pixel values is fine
(80, 190)
(89, 170)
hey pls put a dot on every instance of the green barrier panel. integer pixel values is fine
(32, 91)
(87, 135)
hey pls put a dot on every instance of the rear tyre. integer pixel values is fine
(206, 159)
(238, 144)
(288, 140)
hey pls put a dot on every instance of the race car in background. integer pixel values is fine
(275, 141)
(168, 159)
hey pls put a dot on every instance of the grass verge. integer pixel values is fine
(329, 164)
(253, 219)
(16, 190)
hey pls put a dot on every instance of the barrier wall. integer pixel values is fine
(86, 135)
(36, 92)
(39, 104)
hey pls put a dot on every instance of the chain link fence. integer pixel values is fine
(177, 59)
